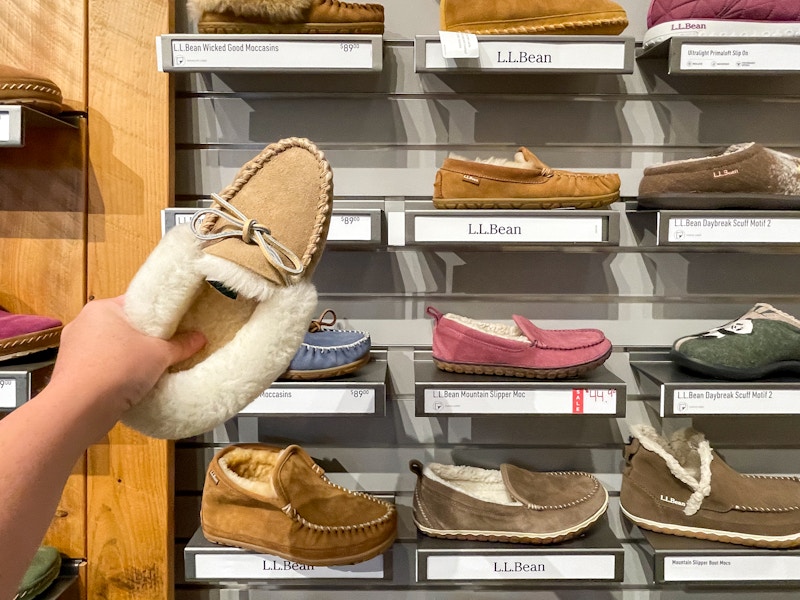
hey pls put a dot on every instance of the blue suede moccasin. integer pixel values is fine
(327, 352)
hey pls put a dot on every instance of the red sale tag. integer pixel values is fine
(577, 402)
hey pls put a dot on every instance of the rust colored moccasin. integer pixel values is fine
(523, 183)
(240, 274)
(548, 17)
(680, 486)
(21, 87)
(278, 501)
(509, 505)
(286, 16)
(21, 335)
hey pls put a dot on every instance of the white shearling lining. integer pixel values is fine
(483, 484)
(251, 469)
(509, 332)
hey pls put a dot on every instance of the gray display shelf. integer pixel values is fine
(19, 383)
(690, 55)
(15, 118)
(682, 560)
(596, 556)
(531, 54)
(361, 394)
(685, 394)
(442, 394)
(321, 53)
(428, 226)
(350, 227)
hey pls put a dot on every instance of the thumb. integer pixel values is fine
(183, 345)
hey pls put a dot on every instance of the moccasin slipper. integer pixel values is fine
(239, 273)
(43, 571)
(21, 335)
(21, 87)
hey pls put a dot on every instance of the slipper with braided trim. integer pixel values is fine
(239, 273)
(21, 87)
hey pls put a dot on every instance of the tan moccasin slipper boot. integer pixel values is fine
(21, 87)
(279, 501)
(286, 16)
(239, 273)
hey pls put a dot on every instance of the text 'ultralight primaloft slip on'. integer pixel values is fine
(523, 183)
(278, 501)
(763, 342)
(464, 345)
(25, 88)
(286, 16)
(240, 274)
(743, 176)
(552, 17)
(681, 486)
(507, 505)
(721, 18)
(21, 335)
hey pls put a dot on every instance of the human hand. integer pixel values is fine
(103, 357)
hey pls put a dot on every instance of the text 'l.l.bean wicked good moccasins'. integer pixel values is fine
(747, 176)
(21, 87)
(278, 501)
(523, 183)
(721, 18)
(286, 16)
(509, 505)
(21, 335)
(464, 345)
(549, 17)
(764, 341)
(239, 273)
(682, 487)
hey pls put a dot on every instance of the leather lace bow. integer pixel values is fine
(318, 324)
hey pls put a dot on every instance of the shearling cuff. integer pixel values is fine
(275, 10)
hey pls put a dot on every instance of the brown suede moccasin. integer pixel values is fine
(525, 182)
(286, 16)
(509, 505)
(548, 17)
(21, 87)
(682, 487)
(278, 501)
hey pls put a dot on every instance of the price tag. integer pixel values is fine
(313, 401)
(248, 565)
(8, 393)
(350, 228)
(502, 567)
(740, 57)
(508, 229)
(732, 568)
(188, 54)
(742, 230)
(5, 126)
(457, 44)
(737, 402)
(520, 401)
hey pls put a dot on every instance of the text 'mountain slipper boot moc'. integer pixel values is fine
(286, 16)
(239, 273)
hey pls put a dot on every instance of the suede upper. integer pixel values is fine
(24, 334)
(661, 11)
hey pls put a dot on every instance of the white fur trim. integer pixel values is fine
(251, 469)
(509, 332)
(278, 10)
(700, 450)
(483, 484)
(519, 161)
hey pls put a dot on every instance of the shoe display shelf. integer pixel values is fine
(352, 225)
(528, 54)
(499, 229)
(700, 55)
(322, 53)
(683, 394)
(20, 382)
(716, 230)
(440, 394)
(15, 118)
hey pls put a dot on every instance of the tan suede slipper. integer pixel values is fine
(21, 87)
(239, 273)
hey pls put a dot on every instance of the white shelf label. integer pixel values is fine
(278, 54)
(498, 402)
(247, 565)
(455, 567)
(737, 402)
(350, 228)
(458, 44)
(8, 393)
(732, 568)
(5, 127)
(508, 229)
(740, 57)
(314, 401)
(181, 218)
(530, 55)
(743, 230)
